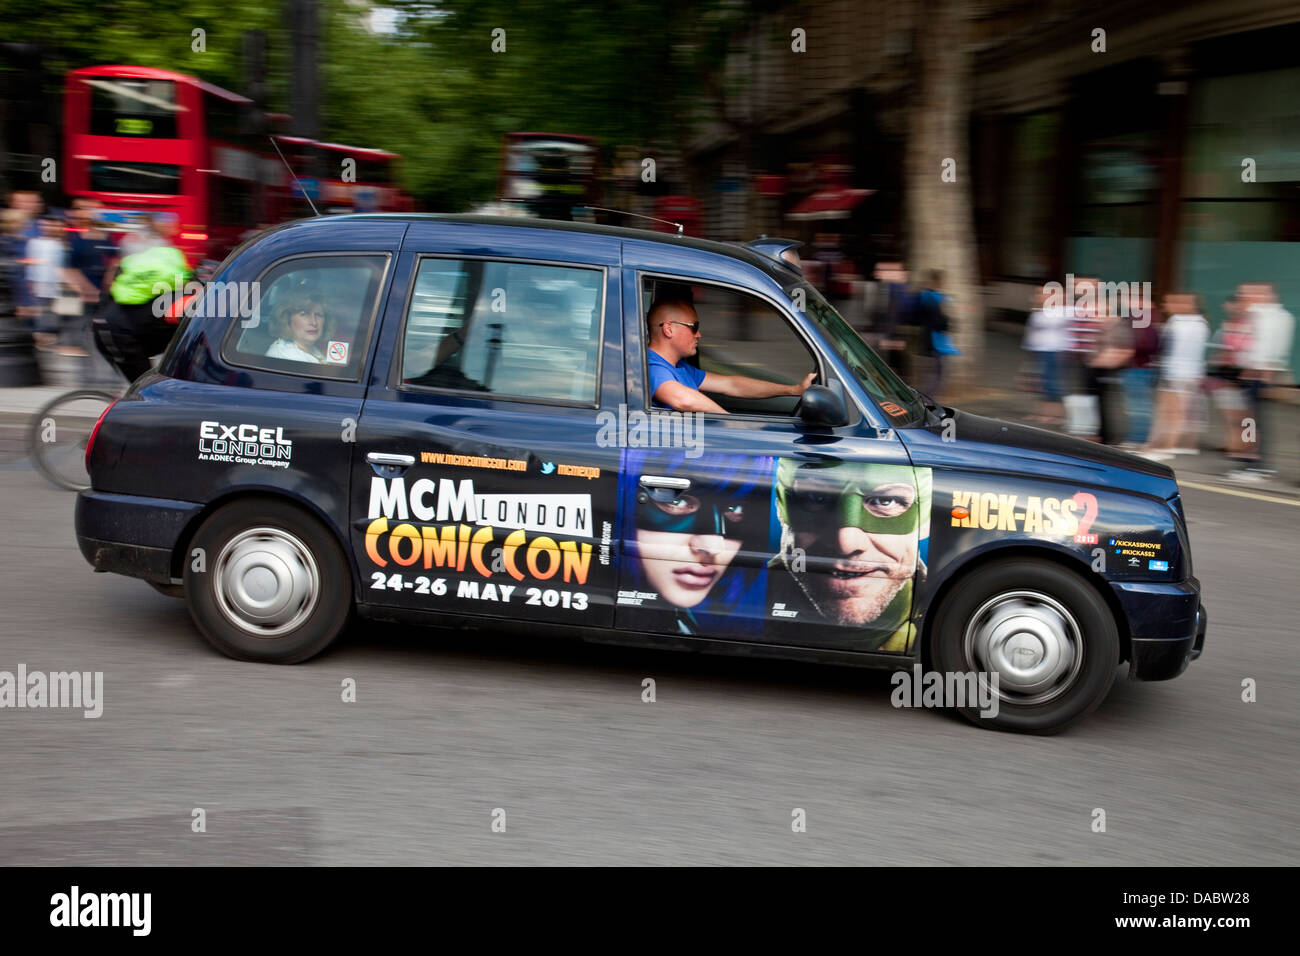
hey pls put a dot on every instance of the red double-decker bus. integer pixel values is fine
(145, 140)
(142, 140)
(359, 179)
(337, 178)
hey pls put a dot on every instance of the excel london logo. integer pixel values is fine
(244, 444)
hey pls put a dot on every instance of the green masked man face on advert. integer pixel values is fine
(850, 538)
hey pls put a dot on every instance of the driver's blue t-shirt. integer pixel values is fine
(661, 370)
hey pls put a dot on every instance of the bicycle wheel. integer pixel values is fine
(59, 433)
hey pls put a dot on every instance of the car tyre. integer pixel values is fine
(1043, 629)
(273, 586)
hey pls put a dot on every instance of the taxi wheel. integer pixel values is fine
(1046, 633)
(274, 586)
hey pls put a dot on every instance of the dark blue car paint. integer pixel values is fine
(150, 491)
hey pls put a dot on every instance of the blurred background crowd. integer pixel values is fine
(946, 163)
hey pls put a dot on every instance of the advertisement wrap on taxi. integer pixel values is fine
(470, 536)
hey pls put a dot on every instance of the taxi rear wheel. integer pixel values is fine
(272, 584)
(1044, 631)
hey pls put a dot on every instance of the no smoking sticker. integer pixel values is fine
(337, 353)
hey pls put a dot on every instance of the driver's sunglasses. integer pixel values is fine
(693, 326)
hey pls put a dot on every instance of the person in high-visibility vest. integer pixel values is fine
(136, 324)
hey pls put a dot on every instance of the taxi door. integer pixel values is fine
(752, 526)
(478, 484)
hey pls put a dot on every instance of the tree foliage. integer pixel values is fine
(157, 33)
(434, 89)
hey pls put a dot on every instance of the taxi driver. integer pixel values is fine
(674, 337)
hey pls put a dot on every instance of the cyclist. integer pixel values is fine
(133, 325)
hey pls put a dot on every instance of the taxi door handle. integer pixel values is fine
(383, 458)
(665, 481)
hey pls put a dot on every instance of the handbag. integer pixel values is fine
(67, 306)
(942, 343)
(1082, 414)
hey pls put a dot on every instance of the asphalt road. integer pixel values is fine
(448, 726)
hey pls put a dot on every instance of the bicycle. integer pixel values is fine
(60, 431)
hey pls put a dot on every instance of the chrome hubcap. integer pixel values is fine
(266, 581)
(1031, 641)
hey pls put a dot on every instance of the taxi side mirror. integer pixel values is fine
(822, 407)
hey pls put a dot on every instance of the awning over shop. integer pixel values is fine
(829, 204)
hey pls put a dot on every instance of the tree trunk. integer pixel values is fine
(940, 213)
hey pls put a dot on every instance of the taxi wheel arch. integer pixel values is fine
(276, 586)
(182, 553)
(979, 619)
(1031, 553)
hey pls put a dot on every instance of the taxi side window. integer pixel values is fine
(740, 334)
(513, 329)
(311, 316)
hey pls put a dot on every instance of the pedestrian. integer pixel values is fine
(932, 322)
(23, 225)
(891, 313)
(1046, 339)
(91, 252)
(45, 256)
(1266, 362)
(1182, 370)
(1142, 374)
(1227, 350)
(1112, 350)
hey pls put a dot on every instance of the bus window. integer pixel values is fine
(126, 106)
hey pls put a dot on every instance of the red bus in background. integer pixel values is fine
(357, 179)
(549, 174)
(337, 178)
(142, 140)
(286, 199)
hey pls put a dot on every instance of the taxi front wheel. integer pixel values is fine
(273, 585)
(1041, 641)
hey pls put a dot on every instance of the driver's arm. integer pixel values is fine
(740, 386)
(685, 399)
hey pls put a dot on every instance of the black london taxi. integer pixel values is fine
(452, 419)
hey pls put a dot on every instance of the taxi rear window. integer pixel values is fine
(310, 315)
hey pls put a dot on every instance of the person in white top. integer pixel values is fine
(1182, 370)
(1267, 362)
(45, 255)
(300, 325)
(1047, 336)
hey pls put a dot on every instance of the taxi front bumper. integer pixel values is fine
(1167, 626)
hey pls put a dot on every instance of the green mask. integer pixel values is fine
(878, 498)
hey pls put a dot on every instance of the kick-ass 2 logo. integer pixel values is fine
(1055, 517)
(458, 528)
